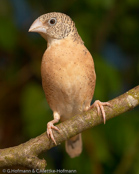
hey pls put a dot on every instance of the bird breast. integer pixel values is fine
(68, 77)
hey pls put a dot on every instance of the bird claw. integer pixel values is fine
(50, 126)
(100, 109)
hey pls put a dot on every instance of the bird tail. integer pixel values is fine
(74, 146)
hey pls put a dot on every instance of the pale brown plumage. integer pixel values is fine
(68, 74)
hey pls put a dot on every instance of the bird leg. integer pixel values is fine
(50, 126)
(100, 109)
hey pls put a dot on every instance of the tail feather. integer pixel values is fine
(74, 146)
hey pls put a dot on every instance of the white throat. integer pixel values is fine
(50, 41)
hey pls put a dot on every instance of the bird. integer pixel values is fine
(68, 74)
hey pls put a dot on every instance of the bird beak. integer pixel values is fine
(37, 26)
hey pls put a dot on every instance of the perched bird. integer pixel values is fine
(68, 74)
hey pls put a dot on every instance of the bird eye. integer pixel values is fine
(52, 21)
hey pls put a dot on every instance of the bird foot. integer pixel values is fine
(50, 126)
(100, 109)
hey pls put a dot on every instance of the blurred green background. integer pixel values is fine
(110, 30)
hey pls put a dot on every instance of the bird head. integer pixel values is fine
(53, 26)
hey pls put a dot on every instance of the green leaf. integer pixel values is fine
(108, 79)
(8, 34)
(35, 110)
(99, 3)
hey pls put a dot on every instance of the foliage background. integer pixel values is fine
(110, 30)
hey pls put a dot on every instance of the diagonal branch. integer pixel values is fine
(26, 154)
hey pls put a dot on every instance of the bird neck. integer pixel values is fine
(74, 36)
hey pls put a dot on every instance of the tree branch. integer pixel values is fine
(26, 154)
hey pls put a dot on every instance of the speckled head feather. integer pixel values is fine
(58, 25)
